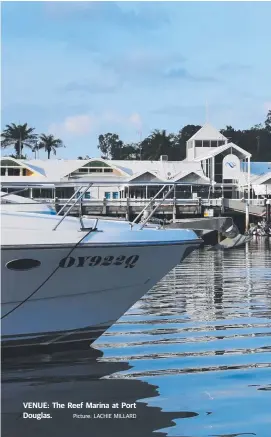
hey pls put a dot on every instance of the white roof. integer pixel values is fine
(25, 179)
(253, 177)
(163, 170)
(143, 172)
(208, 132)
(56, 170)
(262, 190)
(23, 163)
(263, 179)
(216, 150)
(183, 174)
(132, 167)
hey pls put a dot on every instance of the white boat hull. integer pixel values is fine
(85, 293)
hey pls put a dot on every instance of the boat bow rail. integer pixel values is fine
(83, 187)
(86, 188)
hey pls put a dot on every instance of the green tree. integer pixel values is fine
(256, 140)
(18, 136)
(230, 133)
(188, 131)
(131, 151)
(110, 146)
(49, 143)
(156, 144)
(258, 126)
(267, 122)
(85, 158)
(181, 139)
(16, 157)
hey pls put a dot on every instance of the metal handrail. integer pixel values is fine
(79, 198)
(15, 192)
(68, 201)
(88, 184)
(71, 207)
(132, 200)
(74, 183)
(157, 206)
(150, 202)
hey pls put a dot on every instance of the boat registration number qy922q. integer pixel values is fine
(95, 261)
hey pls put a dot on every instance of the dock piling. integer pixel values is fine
(247, 216)
(128, 211)
(268, 210)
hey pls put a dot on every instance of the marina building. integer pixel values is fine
(213, 167)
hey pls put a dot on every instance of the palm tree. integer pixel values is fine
(49, 143)
(18, 136)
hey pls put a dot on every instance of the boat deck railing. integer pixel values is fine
(79, 194)
(153, 203)
(77, 198)
(135, 201)
(81, 187)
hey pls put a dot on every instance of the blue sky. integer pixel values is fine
(79, 69)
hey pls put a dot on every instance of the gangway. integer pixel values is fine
(256, 207)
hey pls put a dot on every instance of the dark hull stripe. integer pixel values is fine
(195, 243)
(67, 296)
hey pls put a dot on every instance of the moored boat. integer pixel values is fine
(69, 283)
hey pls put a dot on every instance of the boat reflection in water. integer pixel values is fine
(202, 335)
(77, 377)
(198, 345)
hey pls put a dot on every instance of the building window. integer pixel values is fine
(107, 195)
(47, 193)
(213, 143)
(13, 171)
(198, 143)
(115, 195)
(11, 168)
(9, 163)
(206, 143)
(85, 196)
(41, 193)
(90, 169)
(96, 164)
(221, 143)
(63, 192)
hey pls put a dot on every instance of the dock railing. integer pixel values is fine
(241, 205)
(153, 203)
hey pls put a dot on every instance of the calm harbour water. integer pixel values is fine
(196, 348)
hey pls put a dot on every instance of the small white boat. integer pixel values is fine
(23, 204)
(68, 283)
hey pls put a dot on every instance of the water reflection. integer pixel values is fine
(77, 377)
(203, 335)
(198, 344)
